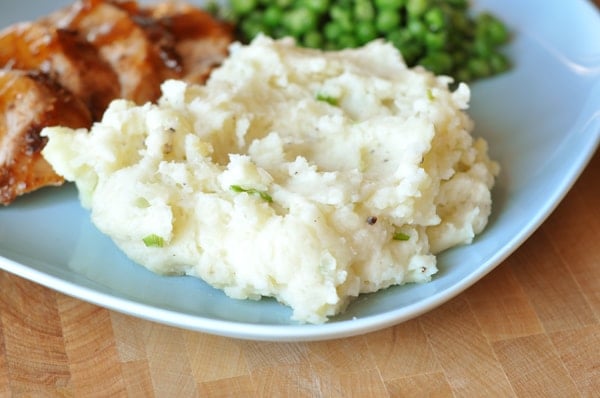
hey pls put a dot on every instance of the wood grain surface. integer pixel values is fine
(531, 328)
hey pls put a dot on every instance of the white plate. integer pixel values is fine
(542, 121)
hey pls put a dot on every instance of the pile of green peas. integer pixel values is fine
(441, 35)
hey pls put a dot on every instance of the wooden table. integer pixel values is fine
(530, 328)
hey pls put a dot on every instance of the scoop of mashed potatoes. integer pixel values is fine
(306, 176)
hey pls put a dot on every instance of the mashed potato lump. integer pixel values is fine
(302, 175)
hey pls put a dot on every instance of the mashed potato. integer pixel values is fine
(306, 176)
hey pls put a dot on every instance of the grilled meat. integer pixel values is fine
(30, 101)
(200, 40)
(65, 68)
(59, 53)
(122, 43)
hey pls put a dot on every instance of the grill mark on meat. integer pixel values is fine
(75, 64)
(163, 40)
(123, 43)
(30, 101)
(201, 41)
(34, 142)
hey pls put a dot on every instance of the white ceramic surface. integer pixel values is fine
(542, 121)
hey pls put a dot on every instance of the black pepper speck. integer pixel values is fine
(371, 220)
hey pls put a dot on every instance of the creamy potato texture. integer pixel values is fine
(302, 175)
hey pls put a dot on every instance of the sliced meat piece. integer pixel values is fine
(60, 53)
(30, 101)
(162, 39)
(202, 41)
(122, 42)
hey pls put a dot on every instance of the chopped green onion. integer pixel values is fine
(430, 95)
(153, 240)
(252, 191)
(326, 98)
(400, 236)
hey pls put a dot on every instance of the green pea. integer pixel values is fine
(458, 4)
(399, 37)
(387, 20)
(364, 10)
(272, 16)
(312, 39)
(411, 53)
(283, 4)
(330, 45)
(435, 19)
(437, 62)
(416, 7)
(251, 28)
(499, 62)
(365, 32)
(416, 28)
(278, 32)
(436, 40)
(482, 47)
(390, 4)
(347, 41)
(343, 17)
(479, 68)
(299, 21)
(344, 3)
(410, 49)
(318, 6)
(497, 32)
(332, 30)
(463, 75)
(242, 7)
(461, 24)
(459, 57)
